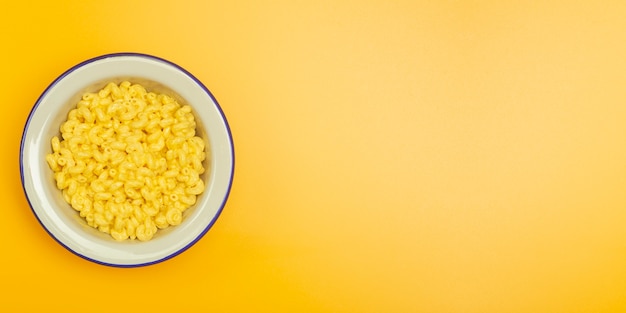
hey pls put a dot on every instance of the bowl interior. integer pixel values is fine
(63, 222)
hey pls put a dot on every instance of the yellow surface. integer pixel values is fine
(391, 156)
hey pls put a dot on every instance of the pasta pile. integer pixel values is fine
(129, 160)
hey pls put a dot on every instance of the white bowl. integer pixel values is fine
(61, 221)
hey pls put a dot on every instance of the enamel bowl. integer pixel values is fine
(64, 223)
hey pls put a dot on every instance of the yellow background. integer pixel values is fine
(391, 156)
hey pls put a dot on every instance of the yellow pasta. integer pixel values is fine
(128, 160)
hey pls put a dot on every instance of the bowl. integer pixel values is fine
(61, 221)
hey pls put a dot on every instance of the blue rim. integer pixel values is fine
(197, 81)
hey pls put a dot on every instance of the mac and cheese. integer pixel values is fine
(128, 160)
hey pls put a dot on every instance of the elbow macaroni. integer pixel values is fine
(128, 160)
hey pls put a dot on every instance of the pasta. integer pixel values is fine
(128, 160)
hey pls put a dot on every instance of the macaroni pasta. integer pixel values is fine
(128, 160)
